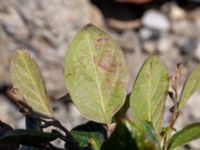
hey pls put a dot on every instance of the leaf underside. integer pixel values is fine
(96, 75)
(149, 92)
(191, 85)
(29, 83)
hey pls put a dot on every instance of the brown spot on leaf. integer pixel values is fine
(109, 83)
(109, 63)
(102, 39)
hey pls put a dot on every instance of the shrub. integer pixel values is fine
(96, 77)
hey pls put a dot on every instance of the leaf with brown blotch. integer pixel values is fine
(96, 74)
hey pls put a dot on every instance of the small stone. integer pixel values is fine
(177, 12)
(149, 39)
(189, 47)
(165, 44)
(129, 41)
(184, 27)
(148, 34)
(149, 47)
(145, 34)
(155, 20)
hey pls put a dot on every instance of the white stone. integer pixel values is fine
(155, 20)
(149, 47)
(165, 44)
(177, 12)
(145, 33)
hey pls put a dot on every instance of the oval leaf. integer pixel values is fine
(28, 82)
(4, 128)
(149, 93)
(191, 85)
(27, 137)
(96, 75)
(187, 134)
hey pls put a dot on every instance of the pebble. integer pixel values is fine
(189, 47)
(129, 41)
(148, 34)
(156, 20)
(177, 12)
(173, 11)
(145, 33)
(149, 38)
(149, 46)
(165, 44)
(185, 27)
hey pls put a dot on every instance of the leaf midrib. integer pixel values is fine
(97, 80)
(150, 96)
(152, 111)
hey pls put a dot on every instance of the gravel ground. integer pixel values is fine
(45, 28)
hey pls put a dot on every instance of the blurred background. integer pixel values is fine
(170, 28)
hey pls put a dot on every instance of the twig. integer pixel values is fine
(174, 97)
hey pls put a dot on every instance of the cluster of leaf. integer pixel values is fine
(96, 77)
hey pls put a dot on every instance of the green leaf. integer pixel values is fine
(4, 128)
(187, 134)
(94, 145)
(126, 136)
(88, 134)
(191, 85)
(149, 92)
(28, 82)
(96, 74)
(151, 139)
(27, 137)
